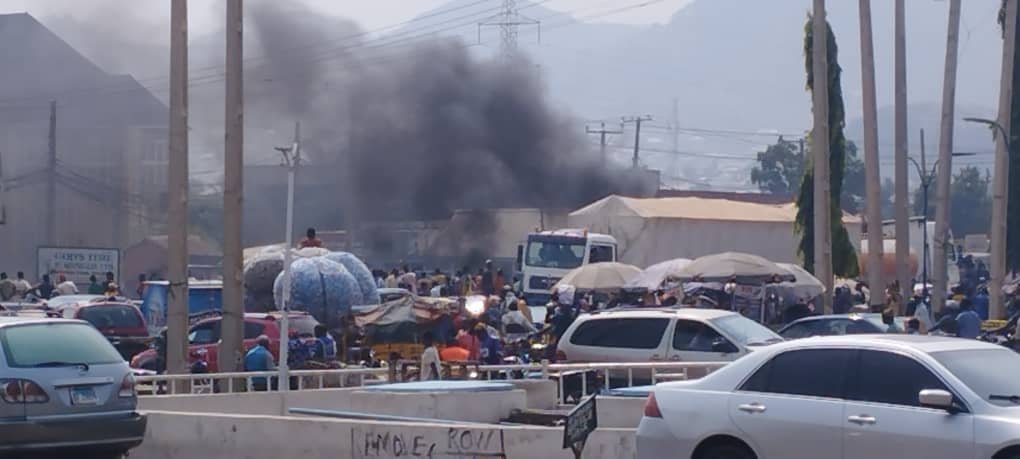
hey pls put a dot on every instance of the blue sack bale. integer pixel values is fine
(340, 288)
(321, 287)
(361, 273)
(306, 292)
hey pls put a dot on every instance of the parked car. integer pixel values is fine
(647, 334)
(852, 396)
(120, 322)
(834, 324)
(64, 387)
(59, 302)
(204, 337)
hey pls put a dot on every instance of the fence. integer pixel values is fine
(573, 379)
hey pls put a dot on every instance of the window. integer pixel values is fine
(622, 333)
(746, 331)
(986, 371)
(811, 372)
(122, 316)
(884, 377)
(694, 336)
(555, 252)
(252, 330)
(50, 343)
(600, 253)
(205, 333)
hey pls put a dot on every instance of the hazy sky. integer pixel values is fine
(370, 14)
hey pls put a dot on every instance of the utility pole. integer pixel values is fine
(508, 20)
(51, 182)
(232, 324)
(926, 179)
(820, 152)
(871, 167)
(939, 259)
(902, 189)
(3, 191)
(177, 215)
(602, 131)
(637, 120)
(1000, 177)
(291, 160)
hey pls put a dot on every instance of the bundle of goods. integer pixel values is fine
(361, 273)
(260, 273)
(322, 287)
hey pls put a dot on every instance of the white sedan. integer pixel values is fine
(859, 396)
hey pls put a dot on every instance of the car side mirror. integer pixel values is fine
(936, 398)
(723, 346)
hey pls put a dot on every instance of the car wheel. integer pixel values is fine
(726, 451)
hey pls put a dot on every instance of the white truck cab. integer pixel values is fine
(547, 256)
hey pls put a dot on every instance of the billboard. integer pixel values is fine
(78, 263)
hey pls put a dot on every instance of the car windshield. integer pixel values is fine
(746, 331)
(987, 372)
(112, 316)
(555, 252)
(51, 343)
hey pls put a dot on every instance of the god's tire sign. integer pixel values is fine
(78, 263)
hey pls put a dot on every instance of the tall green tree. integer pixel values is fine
(844, 255)
(970, 203)
(1013, 193)
(780, 170)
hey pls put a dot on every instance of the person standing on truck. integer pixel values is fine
(310, 240)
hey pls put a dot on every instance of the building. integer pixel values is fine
(110, 148)
(149, 257)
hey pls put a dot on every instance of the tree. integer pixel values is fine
(1013, 193)
(844, 254)
(780, 168)
(970, 208)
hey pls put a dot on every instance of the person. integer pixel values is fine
(889, 319)
(259, 358)
(499, 281)
(7, 288)
(66, 287)
(981, 302)
(21, 286)
(429, 359)
(310, 240)
(45, 288)
(967, 321)
(438, 278)
(391, 279)
(525, 310)
(325, 345)
(140, 289)
(921, 312)
(488, 279)
(408, 280)
(913, 326)
(467, 339)
(490, 350)
(95, 288)
(453, 352)
(112, 290)
(110, 278)
(514, 322)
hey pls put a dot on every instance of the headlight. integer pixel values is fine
(475, 305)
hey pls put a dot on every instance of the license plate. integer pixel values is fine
(83, 396)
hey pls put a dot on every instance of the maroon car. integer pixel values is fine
(120, 322)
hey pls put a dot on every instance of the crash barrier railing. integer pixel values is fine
(573, 379)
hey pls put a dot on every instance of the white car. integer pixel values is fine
(856, 396)
(651, 334)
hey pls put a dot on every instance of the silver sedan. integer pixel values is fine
(860, 396)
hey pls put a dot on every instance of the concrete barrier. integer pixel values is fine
(174, 435)
(541, 392)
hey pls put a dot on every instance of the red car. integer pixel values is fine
(120, 322)
(204, 338)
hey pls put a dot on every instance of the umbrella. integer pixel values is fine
(599, 276)
(743, 268)
(654, 276)
(804, 286)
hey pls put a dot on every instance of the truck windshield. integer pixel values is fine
(562, 252)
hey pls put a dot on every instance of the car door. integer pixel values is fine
(792, 406)
(203, 339)
(695, 341)
(883, 414)
(625, 339)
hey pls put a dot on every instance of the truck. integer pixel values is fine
(547, 256)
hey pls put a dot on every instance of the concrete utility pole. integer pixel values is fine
(177, 218)
(51, 182)
(1000, 177)
(902, 183)
(232, 326)
(637, 120)
(940, 275)
(602, 131)
(820, 153)
(871, 168)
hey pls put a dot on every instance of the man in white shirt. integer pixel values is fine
(429, 359)
(66, 287)
(516, 318)
(21, 286)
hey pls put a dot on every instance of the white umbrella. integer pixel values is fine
(804, 286)
(743, 268)
(599, 276)
(655, 275)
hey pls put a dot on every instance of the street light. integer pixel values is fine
(926, 180)
(291, 160)
(1000, 185)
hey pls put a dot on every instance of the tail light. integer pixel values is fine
(652, 407)
(22, 391)
(561, 356)
(127, 387)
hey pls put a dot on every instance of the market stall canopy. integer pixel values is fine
(804, 285)
(654, 276)
(742, 268)
(607, 276)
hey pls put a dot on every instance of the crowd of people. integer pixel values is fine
(20, 289)
(487, 280)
